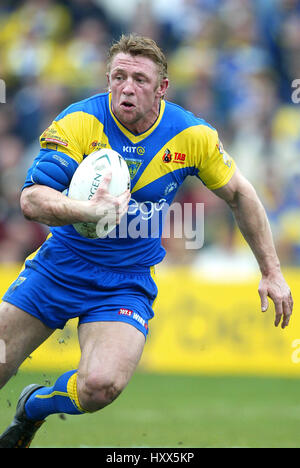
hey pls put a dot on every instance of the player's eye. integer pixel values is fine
(118, 77)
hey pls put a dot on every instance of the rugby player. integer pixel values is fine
(109, 283)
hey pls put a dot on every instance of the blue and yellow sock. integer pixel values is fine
(61, 398)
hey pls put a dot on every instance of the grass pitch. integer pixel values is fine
(175, 411)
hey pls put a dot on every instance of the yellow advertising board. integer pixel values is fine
(200, 326)
(207, 327)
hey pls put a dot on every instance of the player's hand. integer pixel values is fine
(104, 204)
(275, 287)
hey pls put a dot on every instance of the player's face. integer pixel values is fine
(135, 91)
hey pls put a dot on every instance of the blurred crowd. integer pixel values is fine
(232, 62)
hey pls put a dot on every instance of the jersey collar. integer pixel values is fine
(131, 136)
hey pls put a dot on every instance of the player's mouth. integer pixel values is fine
(127, 105)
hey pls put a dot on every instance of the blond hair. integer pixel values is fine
(139, 45)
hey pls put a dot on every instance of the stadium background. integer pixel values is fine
(233, 63)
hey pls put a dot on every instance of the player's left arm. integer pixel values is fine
(253, 223)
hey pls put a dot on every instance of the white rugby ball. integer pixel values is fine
(87, 178)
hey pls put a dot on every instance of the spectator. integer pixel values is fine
(231, 62)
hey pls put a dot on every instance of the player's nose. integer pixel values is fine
(128, 87)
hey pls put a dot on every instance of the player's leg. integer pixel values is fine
(112, 337)
(21, 334)
(110, 354)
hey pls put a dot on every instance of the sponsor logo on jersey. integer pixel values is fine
(56, 141)
(18, 281)
(140, 150)
(220, 147)
(167, 156)
(134, 316)
(179, 158)
(127, 312)
(50, 135)
(61, 160)
(140, 319)
(170, 187)
(133, 166)
(97, 145)
(147, 209)
(226, 158)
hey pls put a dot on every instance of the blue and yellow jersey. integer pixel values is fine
(176, 146)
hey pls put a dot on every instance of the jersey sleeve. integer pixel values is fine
(63, 146)
(65, 135)
(215, 166)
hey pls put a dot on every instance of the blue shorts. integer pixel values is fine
(56, 285)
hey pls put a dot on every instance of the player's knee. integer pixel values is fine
(97, 391)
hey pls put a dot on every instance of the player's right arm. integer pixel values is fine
(63, 146)
(46, 205)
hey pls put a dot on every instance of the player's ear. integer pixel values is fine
(162, 88)
(108, 81)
